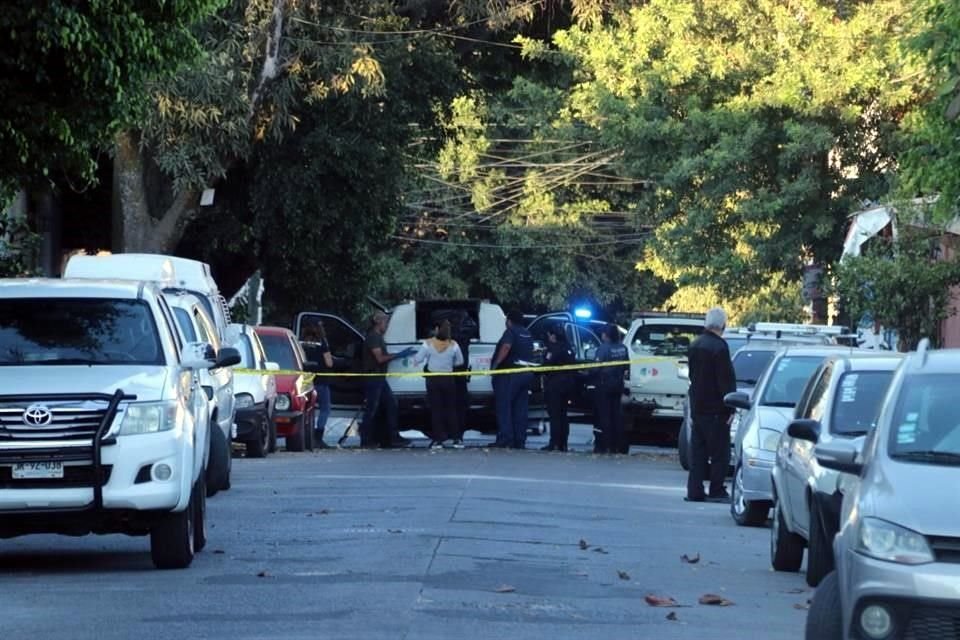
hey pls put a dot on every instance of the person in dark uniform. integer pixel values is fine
(558, 387)
(711, 378)
(511, 391)
(609, 437)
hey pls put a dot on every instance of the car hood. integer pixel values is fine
(148, 383)
(775, 418)
(900, 492)
(288, 383)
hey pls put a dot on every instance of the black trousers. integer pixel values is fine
(709, 454)
(557, 392)
(442, 398)
(609, 436)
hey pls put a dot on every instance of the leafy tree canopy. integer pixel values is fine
(72, 72)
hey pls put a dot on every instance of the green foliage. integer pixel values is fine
(779, 300)
(326, 199)
(930, 163)
(72, 72)
(903, 285)
(18, 246)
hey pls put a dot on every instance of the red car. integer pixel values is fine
(296, 402)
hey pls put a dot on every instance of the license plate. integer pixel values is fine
(33, 470)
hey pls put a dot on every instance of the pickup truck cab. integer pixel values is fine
(477, 325)
(104, 426)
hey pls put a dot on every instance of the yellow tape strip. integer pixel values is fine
(476, 372)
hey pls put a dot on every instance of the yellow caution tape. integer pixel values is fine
(474, 372)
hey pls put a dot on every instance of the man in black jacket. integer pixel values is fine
(711, 378)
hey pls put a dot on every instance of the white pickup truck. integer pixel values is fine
(104, 426)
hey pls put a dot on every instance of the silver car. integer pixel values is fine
(763, 417)
(898, 549)
(842, 401)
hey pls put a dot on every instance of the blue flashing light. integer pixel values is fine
(583, 313)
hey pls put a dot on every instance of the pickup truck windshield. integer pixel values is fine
(78, 331)
(666, 339)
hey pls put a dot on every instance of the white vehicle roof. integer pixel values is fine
(169, 271)
(402, 327)
(80, 288)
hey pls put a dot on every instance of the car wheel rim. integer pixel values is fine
(739, 504)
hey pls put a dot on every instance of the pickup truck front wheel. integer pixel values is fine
(172, 541)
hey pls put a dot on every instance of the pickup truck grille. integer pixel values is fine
(51, 421)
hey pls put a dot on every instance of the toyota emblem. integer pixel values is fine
(37, 415)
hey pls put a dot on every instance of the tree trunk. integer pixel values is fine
(135, 230)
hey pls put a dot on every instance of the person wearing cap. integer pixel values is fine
(609, 436)
(512, 390)
(377, 394)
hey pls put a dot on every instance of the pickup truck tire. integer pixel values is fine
(308, 432)
(683, 450)
(200, 515)
(172, 541)
(295, 439)
(272, 448)
(819, 551)
(825, 619)
(218, 473)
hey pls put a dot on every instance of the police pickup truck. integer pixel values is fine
(104, 425)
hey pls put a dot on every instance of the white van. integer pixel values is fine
(172, 273)
(479, 323)
(177, 276)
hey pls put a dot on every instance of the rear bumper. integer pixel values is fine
(658, 405)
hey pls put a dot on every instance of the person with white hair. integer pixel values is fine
(711, 378)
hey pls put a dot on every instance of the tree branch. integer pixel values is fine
(271, 60)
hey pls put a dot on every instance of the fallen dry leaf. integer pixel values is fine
(394, 530)
(672, 616)
(715, 600)
(797, 590)
(583, 544)
(505, 588)
(219, 551)
(801, 606)
(323, 512)
(660, 601)
(582, 574)
(263, 574)
(600, 550)
(690, 560)
(623, 575)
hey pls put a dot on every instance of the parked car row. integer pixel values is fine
(842, 450)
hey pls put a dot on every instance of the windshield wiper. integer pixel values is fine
(749, 381)
(856, 433)
(788, 405)
(947, 457)
(86, 361)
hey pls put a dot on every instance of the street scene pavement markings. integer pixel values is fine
(392, 544)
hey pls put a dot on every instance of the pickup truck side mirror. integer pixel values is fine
(804, 429)
(737, 400)
(199, 355)
(227, 357)
(271, 366)
(839, 455)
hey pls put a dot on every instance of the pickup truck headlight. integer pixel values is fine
(283, 402)
(243, 401)
(890, 542)
(149, 417)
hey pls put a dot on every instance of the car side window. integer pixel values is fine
(206, 329)
(817, 403)
(298, 350)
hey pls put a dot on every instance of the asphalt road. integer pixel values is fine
(424, 545)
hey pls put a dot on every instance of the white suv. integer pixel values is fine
(103, 422)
